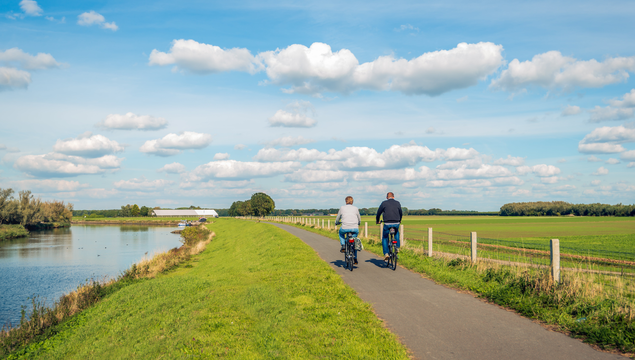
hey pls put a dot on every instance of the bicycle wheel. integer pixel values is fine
(351, 257)
(394, 259)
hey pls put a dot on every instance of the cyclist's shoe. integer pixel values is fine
(343, 249)
(386, 257)
(355, 261)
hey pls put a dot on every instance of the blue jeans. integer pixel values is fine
(384, 237)
(343, 233)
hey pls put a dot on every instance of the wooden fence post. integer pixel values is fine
(555, 260)
(473, 239)
(402, 236)
(429, 241)
(322, 223)
(329, 224)
(381, 230)
(366, 229)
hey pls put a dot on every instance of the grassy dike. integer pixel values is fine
(581, 306)
(256, 292)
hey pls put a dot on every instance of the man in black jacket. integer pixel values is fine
(391, 209)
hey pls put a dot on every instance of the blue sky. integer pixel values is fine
(457, 105)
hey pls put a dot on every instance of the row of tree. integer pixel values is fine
(27, 210)
(557, 208)
(260, 204)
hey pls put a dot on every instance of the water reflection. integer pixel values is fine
(53, 262)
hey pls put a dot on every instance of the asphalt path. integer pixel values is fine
(435, 322)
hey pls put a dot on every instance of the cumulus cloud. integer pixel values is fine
(307, 176)
(232, 169)
(31, 8)
(317, 68)
(296, 116)
(11, 79)
(599, 114)
(612, 161)
(88, 145)
(240, 146)
(601, 171)
(606, 140)
(60, 165)
(142, 184)
(511, 161)
(553, 70)
(221, 156)
(173, 168)
(395, 175)
(544, 170)
(571, 110)
(204, 58)
(628, 100)
(289, 141)
(130, 121)
(173, 144)
(628, 155)
(49, 185)
(93, 18)
(17, 57)
(485, 171)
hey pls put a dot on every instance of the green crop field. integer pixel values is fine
(506, 238)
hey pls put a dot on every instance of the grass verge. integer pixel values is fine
(8, 232)
(256, 292)
(598, 310)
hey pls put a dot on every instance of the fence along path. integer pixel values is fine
(435, 322)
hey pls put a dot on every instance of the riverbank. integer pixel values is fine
(151, 221)
(9, 232)
(254, 292)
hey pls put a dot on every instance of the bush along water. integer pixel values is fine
(42, 320)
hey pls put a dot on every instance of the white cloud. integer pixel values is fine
(571, 110)
(11, 78)
(472, 183)
(92, 18)
(88, 145)
(628, 155)
(49, 185)
(289, 141)
(240, 146)
(205, 59)
(601, 171)
(173, 168)
(593, 158)
(631, 164)
(430, 130)
(221, 156)
(228, 169)
(608, 113)
(589, 192)
(17, 57)
(306, 176)
(523, 170)
(31, 8)
(521, 192)
(612, 161)
(606, 140)
(407, 27)
(544, 170)
(142, 184)
(485, 171)
(562, 161)
(459, 154)
(130, 121)
(628, 100)
(59, 165)
(511, 161)
(173, 144)
(549, 179)
(395, 175)
(552, 70)
(297, 116)
(317, 68)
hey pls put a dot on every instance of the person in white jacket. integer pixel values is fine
(349, 217)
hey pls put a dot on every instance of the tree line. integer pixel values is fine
(557, 208)
(260, 204)
(27, 210)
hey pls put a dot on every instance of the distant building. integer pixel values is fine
(184, 213)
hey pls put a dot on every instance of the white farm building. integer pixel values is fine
(184, 213)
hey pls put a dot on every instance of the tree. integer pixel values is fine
(261, 204)
(125, 211)
(144, 211)
(29, 208)
(135, 210)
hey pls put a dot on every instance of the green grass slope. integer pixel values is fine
(256, 292)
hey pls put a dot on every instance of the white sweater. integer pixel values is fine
(349, 216)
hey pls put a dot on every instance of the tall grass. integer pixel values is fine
(42, 318)
(8, 232)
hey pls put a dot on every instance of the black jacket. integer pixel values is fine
(391, 209)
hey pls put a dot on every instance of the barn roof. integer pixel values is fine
(185, 213)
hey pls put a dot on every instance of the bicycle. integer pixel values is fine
(393, 251)
(349, 254)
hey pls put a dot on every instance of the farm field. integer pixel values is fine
(526, 239)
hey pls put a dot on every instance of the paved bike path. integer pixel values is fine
(435, 322)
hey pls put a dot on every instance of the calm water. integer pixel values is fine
(51, 263)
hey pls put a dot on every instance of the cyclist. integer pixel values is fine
(349, 217)
(391, 209)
